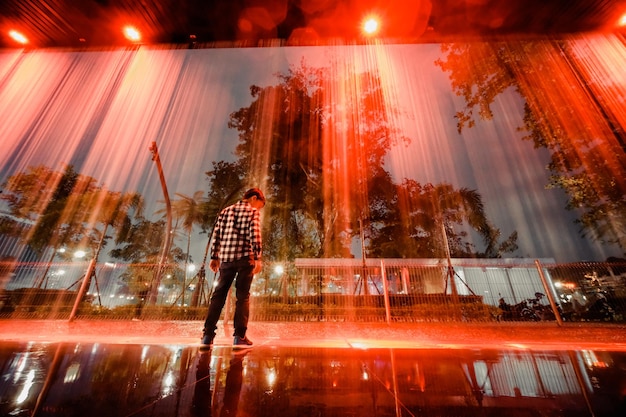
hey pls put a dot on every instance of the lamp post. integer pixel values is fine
(167, 241)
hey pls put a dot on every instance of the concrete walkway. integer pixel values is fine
(574, 336)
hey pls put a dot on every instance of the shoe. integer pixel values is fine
(207, 341)
(241, 342)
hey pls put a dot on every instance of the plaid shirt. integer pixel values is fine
(237, 233)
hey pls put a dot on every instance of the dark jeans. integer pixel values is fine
(239, 271)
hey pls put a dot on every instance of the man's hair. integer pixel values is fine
(254, 192)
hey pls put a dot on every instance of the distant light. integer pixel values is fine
(271, 377)
(370, 26)
(132, 34)
(191, 267)
(28, 384)
(18, 37)
(80, 254)
(279, 269)
(622, 20)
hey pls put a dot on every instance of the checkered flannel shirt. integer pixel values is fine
(237, 233)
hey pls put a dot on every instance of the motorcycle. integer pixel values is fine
(530, 309)
(598, 309)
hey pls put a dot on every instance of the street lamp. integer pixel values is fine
(370, 25)
(132, 33)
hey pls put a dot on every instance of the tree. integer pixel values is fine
(42, 197)
(317, 143)
(192, 211)
(141, 248)
(323, 154)
(102, 209)
(577, 124)
(434, 221)
(47, 200)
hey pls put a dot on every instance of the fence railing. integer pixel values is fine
(391, 290)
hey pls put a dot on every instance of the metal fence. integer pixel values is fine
(391, 290)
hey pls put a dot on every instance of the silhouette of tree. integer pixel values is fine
(46, 199)
(317, 156)
(101, 210)
(321, 158)
(191, 210)
(577, 124)
(425, 219)
(141, 248)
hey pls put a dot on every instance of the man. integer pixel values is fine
(236, 252)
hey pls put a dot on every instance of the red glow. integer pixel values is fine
(370, 25)
(18, 37)
(132, 34)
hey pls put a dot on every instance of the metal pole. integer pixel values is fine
(364, 257)
(383, 275)
(549, 293)
(167, 243)
(580, 377)
(83, 288)
(450, 273)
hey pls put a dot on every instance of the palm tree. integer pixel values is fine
(192, 211)
(43, 197)
(107, 209)
(443, 207)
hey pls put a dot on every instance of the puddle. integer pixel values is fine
(79, 379)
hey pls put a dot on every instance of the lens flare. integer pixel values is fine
(18, 37)
(132, 33)
(371, 25)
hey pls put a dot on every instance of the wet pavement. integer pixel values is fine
(101, 368)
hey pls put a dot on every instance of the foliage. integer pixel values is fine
(67, 208)
(422, 224)
(586, 142)
(48, 200)
(192, 211)
(141, 247)
(321, 159)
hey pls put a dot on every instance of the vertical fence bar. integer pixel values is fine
(383, 275)
(549, 293)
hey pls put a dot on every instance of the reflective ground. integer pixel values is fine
(322, 377)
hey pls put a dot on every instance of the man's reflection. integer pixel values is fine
(201, 403)
(234, 379)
